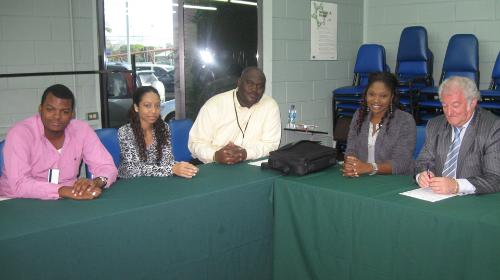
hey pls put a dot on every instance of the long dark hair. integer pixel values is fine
(391, 82)
(160, 130)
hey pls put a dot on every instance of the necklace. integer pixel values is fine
(238, 120)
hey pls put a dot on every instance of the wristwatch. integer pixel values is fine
(375, 168)
(104, 180)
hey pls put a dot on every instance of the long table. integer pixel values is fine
(331, 227)
(217, 225)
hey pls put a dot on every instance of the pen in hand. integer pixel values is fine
(429, 174)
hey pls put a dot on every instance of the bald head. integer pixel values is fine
(255, 69)
(251, 86)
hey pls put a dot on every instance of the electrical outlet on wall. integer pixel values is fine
(92, 116)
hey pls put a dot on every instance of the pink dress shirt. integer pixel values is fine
(28, 156)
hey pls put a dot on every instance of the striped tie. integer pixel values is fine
(450, 166)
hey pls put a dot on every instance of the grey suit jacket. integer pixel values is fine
(479, 155)
(395, 145)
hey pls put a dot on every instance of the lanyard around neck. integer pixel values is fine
(237, 119)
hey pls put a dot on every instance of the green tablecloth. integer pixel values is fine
(217, 225)
(331, 227)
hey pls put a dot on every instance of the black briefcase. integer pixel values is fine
(302, 157)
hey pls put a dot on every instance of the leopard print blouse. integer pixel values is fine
(131, 165)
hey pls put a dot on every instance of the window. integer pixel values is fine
(220, 39)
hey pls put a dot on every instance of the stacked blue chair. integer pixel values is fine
(109, 138)
(179, 130)
(370, 59)
(1, 156)
(413, 66)
(491, 96)
(461, 59)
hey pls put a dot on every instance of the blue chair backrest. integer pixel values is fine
(462, 57)
(370, 59)
(109, 138)
(420, 140)
(495, 74)
(414, 56)
(179, 130)
(1, 156)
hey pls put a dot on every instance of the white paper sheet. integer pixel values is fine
(427, 194)
(257, 163)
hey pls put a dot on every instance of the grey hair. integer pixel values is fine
(467, 85)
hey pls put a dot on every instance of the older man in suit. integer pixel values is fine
(462, 147)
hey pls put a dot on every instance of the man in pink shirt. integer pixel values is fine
(42, 154)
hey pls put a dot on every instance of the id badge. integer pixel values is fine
(53, 176)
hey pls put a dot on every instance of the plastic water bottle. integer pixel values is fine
(292, 116)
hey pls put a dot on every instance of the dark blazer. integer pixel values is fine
(395, 142)
(479, 155)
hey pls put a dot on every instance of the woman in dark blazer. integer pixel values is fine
(381, 137)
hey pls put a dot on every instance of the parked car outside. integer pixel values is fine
(164, 73)
(120, 90)
(120, 82)
(148, 78)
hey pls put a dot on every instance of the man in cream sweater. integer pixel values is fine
(237, 125)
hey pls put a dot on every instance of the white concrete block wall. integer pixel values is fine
(45, 36)
(60, 35)
(386, 19)
(298, 80)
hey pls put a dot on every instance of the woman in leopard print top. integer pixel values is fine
(145, 145)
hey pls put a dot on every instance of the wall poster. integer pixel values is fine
(323, 31)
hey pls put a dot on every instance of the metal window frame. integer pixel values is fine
(180, 96)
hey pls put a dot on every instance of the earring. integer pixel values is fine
(390, 109)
